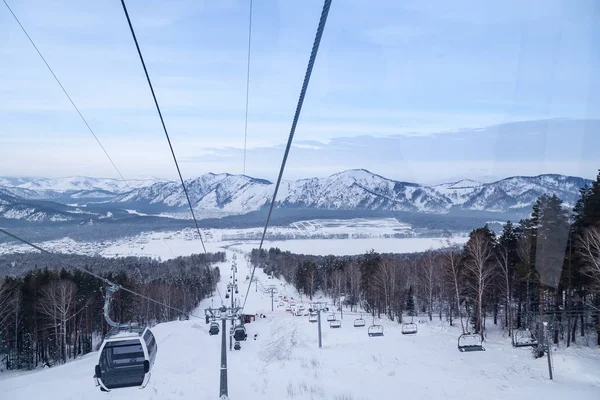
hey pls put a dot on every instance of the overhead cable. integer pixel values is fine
(103, 279)
(309, 68)
(247, 96)
(187, 196)
(65, 91)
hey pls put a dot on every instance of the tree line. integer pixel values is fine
(544, 268)
(51, 314)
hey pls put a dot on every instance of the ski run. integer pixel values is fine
(285, 362)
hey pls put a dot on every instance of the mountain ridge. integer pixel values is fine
(355, 189)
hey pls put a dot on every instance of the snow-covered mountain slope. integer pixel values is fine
(71, 188)
(215, 195)
(207, 192)
(518, 192)
(13, 208)
(13, 181)
(356, 189)
(460, 191)
(353, 189)
(78, 183)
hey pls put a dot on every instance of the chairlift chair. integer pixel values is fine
(524, 338)
(359, 322)
(470, 342)
(375, 330)
(335, 324)
(409, 328)
(331, 317)
(313, 318)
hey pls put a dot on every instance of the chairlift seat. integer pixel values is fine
(375, 330)
(313, 318)
(468, 342)
(359, 322)
(335, 324)
(523, 338)
(409, 328)
(331, 317)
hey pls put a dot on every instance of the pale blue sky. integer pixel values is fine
(402, 88)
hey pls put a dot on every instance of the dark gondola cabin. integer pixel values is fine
(126, 358)
(239, 333)
(214, 328)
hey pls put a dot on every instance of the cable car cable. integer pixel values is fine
(75, 107)
(309, 68)
(162, 122)
(247, 95)
(65, 91)
(187, 196)
(105, 280)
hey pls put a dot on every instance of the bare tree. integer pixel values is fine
(590, 253)
(451, 266)
(479, 251)
(337, 278)
(57, 301)
(4, 304)
(354, 277)
(385, 280)
(312, 281)
(428, 275)
(503, 262)
(165, 295)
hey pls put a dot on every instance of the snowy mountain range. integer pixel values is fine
(226, 194)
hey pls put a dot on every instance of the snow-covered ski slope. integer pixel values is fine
(286, 363)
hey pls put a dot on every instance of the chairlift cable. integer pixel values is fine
(66, 93)
(163, 123)
(309, 68)
(105, 280)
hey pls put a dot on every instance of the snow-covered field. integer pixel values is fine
(286, 363)
(339, 237)
(354, 246)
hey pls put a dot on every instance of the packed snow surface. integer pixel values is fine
(285, 362)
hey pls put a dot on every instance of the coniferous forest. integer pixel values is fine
(545, 268)
(50, 313)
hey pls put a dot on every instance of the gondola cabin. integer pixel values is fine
(126, 358)
(214, 328)
(239, 333)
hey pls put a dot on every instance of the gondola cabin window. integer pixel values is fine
(120, 353)
(151, 345)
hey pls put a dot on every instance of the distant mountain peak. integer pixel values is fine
(463, 183)
(354, 189)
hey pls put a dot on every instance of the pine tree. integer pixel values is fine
(582, 257)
